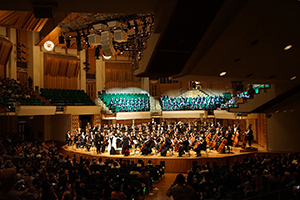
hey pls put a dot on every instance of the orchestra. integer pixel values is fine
(158, 138)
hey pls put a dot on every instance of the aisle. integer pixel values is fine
(162, 186)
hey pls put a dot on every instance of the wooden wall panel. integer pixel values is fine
(96, 119)
(119, 75)
(60, 82)
(75, 123)
(2, 71)
(262, 130)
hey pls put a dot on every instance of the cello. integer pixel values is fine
(222, 145)
(160, 148)
(213, 142)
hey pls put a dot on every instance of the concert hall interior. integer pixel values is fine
(114, 99)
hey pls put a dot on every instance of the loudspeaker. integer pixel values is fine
(61, 39)
(94, 39)
(268, 115)
(120, 36)
(44, 10)
(106, 41)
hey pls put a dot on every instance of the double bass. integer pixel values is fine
(236, 138)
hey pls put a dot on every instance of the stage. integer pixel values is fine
(172, 163)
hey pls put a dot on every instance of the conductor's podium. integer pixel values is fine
(119, 151)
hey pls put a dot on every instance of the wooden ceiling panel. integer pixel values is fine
(21, 20)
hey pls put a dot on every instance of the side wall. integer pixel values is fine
(283, 131)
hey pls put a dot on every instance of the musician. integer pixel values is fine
(126, 143)
(147, 147)
(77, 141)
(68, 138)
(184, 146)
(201, 146)
(88, 144)
(165, 148)
(82, 140)
(98, 140)
(249, 135)
(133, 123)
(228, 136)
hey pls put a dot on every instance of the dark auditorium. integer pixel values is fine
(150, 100)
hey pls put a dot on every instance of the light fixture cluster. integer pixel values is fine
(115, 34)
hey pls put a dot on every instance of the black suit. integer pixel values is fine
(184, 147)
(125, 148)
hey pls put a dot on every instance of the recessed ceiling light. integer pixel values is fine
(293, 78)
(223, 73)
(284, 111)
(287, 47)
(277, 111)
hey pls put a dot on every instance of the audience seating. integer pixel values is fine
(65, 97)
(14, 93)
(126, 102)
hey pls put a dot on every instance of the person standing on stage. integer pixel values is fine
(98, 142)
(228, 137)
(126, 143)
(82, 140)
(68, 138)
(112, 144)
(249, 135)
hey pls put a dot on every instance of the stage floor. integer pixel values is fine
(205, 154)
(172, 162)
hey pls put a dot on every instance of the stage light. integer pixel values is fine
(49, 45)
(106, 57)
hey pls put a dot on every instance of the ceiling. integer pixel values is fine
(200, 39)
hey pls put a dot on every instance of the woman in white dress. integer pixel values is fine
(112, 144)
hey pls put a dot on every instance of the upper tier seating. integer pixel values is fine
(192, 103)
(65, 97)
(126, 102)
(13, 93)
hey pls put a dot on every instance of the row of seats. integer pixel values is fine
(65, 97)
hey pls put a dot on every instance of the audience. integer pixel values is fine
(32, 170)
(12, 92)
